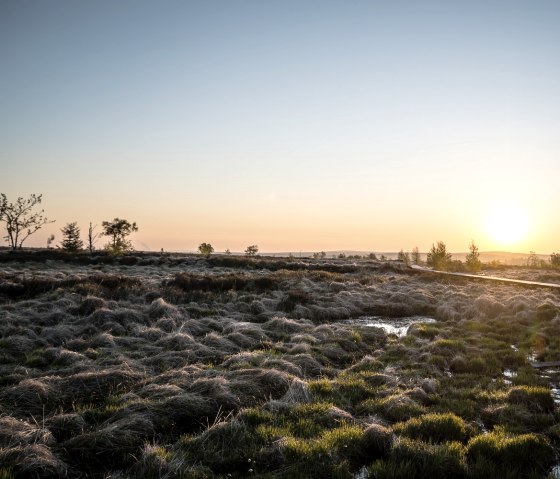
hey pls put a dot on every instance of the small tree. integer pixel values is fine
(20, 220)
(92, 237)
(438, 257)
(372, 256)
(227, 252)
(206, 249)
(251, 250)
(533, 260)
(416, 256)
(473, 258)
(404, 257)
(118, 230)
(555, 260)
(50, 240)
(71, 241)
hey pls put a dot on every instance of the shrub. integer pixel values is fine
(536, 399)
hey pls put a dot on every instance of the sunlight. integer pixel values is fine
(507, 224)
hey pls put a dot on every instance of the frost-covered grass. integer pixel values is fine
(164, 366)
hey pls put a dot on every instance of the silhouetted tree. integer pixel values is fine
(71, 241)
(438, 257)
(251, 250)
(20, 220)
(118, 230)
(227, 252)
(205, 249)
(50, 240)
(472, 260)
(372, 256)
(555, 259)
(92, 237)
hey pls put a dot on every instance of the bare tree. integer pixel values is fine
(21, 222)
(251, 250)
(92, 237)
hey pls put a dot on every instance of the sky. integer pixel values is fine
(294, 125)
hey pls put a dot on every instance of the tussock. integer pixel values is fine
(177, 342)
(29, 397)
(309, 366)
(151, 334)
(255, 384)
(33, 461)
(243, 359)
(90, 304)
(166, 324)
(283, 326)
(283, 364)
(64, 426)
(110, 441)
(219, 343)
(159, 308)
(15, 432)
(94, 386)
(298, 393)
(63, 357)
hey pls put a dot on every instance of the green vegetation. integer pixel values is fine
(205, 249)
(472, 261)
(436, 428)
(438, 257)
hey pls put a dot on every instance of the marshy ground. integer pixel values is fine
(163, 366)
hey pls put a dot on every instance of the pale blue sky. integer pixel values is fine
(293, 125)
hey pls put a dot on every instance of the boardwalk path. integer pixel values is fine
(535, 284)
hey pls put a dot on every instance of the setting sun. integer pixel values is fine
(507, 224)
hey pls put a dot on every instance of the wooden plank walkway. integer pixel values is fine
(522, 282)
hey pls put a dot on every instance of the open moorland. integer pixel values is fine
(178, 366)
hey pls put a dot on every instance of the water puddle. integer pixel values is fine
(397, 326)
(509, 375)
